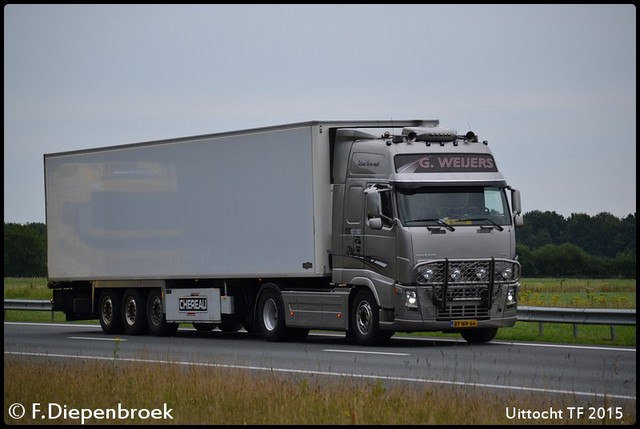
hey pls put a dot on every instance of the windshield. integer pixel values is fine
(465, 205)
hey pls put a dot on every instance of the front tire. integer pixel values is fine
(271, 315)
(365, 320)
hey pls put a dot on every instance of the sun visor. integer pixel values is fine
(417, 180)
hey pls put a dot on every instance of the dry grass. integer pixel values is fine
(218, 396)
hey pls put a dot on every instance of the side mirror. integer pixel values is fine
(375, 223)
(374, 208)
(518, 220)
(374, 203)
(516, 205)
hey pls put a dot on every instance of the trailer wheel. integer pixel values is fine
(364, 320)
(134, 312)
(156, 318)
(271, 315)
(110, 312)
(479, 336)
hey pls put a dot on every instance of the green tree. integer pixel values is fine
(527, 261)
(25, 250)
(541, 228)
(565, 260)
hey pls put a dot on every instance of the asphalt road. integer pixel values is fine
(591, 372)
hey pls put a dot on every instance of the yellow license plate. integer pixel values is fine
(464, 323)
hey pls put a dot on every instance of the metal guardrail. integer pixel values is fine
(580, 316)
(28, 304)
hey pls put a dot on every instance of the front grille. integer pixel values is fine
(462, 312)
(464, 292)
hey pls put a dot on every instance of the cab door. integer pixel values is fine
(379, 231)
(352, 239)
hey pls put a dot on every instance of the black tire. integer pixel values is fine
(134, 312)
(271, 315)
(364, 320)
(110, 311)
(156, 319)
(479, 336)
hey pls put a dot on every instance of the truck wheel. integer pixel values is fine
(134, 312)
(110, 312)
(364, 320)
(479, 336)
(156, 319)
(271, 315)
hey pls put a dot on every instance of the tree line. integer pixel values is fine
(603, 245)
(548, 245)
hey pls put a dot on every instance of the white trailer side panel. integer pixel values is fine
(236, 205)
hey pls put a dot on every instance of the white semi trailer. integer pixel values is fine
(366, 227)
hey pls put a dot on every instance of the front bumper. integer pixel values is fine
(427, 312)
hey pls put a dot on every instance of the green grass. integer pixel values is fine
(578, 285)
(26, 288)
(579, 293)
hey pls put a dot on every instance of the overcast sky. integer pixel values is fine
(552, 88)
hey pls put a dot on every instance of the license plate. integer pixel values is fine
(464, 323)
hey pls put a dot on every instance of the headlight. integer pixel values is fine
(411, 299)
(461, 271)
(424, 275)
(427, 274)
(511, 297)
(481, 273)
(506, 273)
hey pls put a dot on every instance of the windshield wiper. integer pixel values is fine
(496, 225)
(438, 221)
